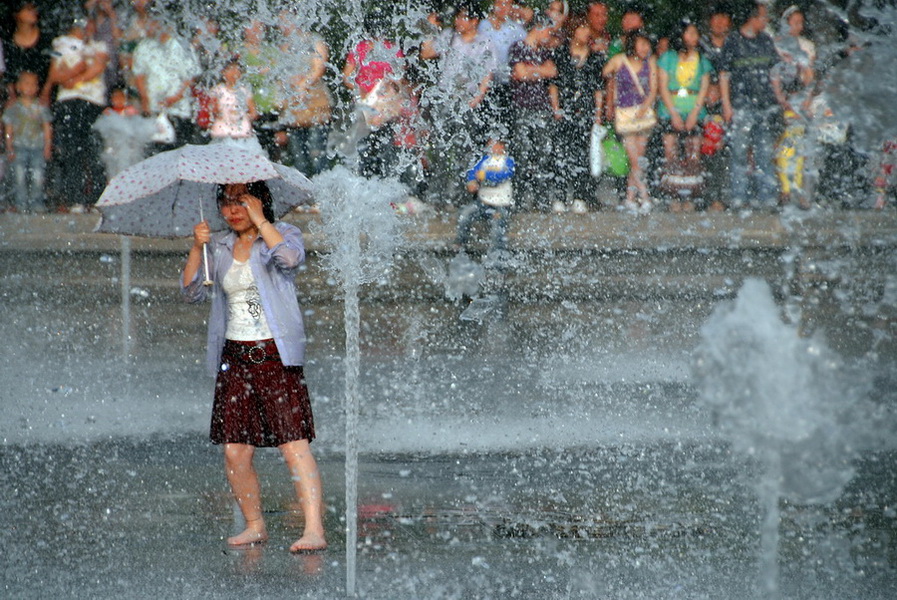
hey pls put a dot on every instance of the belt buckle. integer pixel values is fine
(256, 355)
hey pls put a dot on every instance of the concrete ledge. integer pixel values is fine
(602, 231)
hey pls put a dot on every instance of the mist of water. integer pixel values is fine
(362, 231)
(781, 399)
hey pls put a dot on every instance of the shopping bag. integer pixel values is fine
(616, 163)
(596, 150)
(164, 130)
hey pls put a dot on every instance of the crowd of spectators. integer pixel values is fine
(725, 112)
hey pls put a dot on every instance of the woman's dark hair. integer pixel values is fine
(260, 190)
(745, 10)
(630, 38)
(676, 41)
(469, 8)
(574, 22)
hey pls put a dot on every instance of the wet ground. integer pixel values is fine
(559, 453)
(147, 518)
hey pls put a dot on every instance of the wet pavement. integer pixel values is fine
(147, 519)
(559, 453)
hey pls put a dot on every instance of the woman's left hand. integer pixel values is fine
(253, 208)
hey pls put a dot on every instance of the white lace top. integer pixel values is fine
(245, 317)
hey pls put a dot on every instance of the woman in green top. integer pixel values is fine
(684, 76)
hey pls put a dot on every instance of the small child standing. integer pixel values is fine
(233, 110)
(490, 179)
(29, 143)
(125, 133)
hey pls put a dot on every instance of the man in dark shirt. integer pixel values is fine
(532, 70)
(750, 107)
(718, 25)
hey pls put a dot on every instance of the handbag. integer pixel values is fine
(626, 121)
(683, 180)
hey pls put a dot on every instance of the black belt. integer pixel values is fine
(254, 352)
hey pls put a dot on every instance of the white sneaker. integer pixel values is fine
(645, 208)
(559, 207)
(77, 209)
(579, 207)
(631, 207)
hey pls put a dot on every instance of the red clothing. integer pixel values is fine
(272, 413)
(368, 73)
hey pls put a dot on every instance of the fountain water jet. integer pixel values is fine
(363, 233)
(781, 399)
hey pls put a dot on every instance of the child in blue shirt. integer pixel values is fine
(490, 179)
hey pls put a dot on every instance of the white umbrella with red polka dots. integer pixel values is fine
(167, 194)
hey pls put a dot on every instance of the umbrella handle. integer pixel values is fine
(205, 264)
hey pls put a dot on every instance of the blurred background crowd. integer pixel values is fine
(640, 107)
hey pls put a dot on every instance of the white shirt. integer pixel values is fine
(245, 317)
(69, 51)
(464, 64)
(503, 38)
(166, 66)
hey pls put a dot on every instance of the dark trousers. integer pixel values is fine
(79, 176)
(533, 147)
(572, 165)
(308, 148)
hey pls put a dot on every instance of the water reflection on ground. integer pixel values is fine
(557, 453)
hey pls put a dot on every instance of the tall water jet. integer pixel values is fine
(362, 231)
(782, 400)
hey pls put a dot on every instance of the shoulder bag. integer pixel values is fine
(626, 121)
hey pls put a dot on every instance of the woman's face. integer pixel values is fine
(232, 209)
(582, 34)
(690, 37)
(27, 15)
(796, 24)
(464, 23)
(642, 48)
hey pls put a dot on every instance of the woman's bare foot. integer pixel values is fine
(309, 542)
(253, 534)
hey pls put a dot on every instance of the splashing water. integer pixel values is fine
(781, 399)
(362, 230)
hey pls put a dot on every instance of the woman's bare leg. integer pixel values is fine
(244, 483)
(632, 180)
(670, 149)
(307, 480)
(635, 148)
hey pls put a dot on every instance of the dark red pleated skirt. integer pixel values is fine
(258, 400)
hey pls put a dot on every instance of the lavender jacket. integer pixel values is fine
(274, 270)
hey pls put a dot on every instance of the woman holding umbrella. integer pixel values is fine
(256, 348)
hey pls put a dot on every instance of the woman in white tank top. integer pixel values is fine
(256, 352)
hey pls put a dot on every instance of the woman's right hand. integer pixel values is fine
(201, 234)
